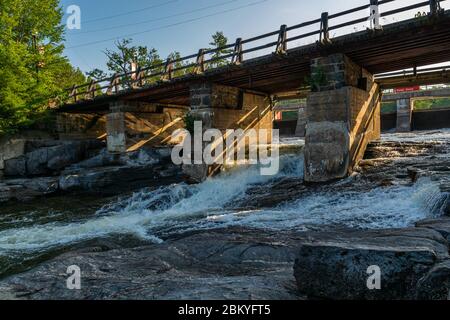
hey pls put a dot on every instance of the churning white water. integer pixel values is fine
(148, 214)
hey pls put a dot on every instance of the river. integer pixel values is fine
(33, 232)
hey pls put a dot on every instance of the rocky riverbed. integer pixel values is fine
(244, 236)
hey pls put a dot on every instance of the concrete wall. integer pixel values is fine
(342, 118)
(80, 126)
(421, 120)
(130, 125)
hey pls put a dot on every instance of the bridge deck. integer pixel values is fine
(413, 42)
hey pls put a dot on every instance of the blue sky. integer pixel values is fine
(170, 25)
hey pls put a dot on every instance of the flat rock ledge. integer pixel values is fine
(412, 264)
(250, 264)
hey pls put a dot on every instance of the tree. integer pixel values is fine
(121, 58)
(96, 74)
(33, 70)
(219, 41)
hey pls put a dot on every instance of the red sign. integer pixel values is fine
(406, 89)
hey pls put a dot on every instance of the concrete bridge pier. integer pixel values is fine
(225, 108)
(116, 139)
(343, 116)
(404, 114)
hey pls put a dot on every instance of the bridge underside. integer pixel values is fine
(398, 46)
(428, 78)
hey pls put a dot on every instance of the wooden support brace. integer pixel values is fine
(282, 43)
(237, 54)
(168, 71)
(113, 85)
(200, 65)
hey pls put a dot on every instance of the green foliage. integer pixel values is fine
(96, 74)
(32, 69)
(318, 78)
(120, 60)
(437, 103)
(218, 42)
(421, 104)
(388, 107)
(189, 122)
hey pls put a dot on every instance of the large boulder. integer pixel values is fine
(336, 266)
(48, 158)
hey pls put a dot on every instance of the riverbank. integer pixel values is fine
(243, 236)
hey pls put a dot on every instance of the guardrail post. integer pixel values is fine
(237, 54)
(114, 84)
(74, 93)
(168, 70)
(282, 43)
(138, 78)
(200, 64)
(374, 17)
(90, 94)
(435, 7)
(324, 28)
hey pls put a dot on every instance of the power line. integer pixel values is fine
(156, 19)
(131, 12)
(169, 25)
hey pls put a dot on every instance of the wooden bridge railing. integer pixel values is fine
(173, 68)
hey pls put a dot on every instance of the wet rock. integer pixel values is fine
(220, 264)
(16, 167)
(446, 205)
(335, 266)
(441, 225)
(114, 180)
(196, 173)
(435, 285)
(27, 189)
(141, 157)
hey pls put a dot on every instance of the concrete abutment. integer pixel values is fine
(224, 108)
(343, 116)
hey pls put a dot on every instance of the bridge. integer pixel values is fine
(343, 108)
